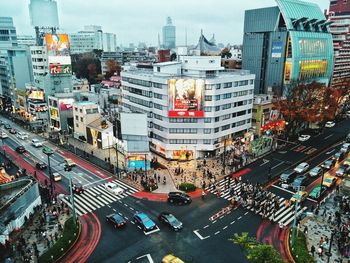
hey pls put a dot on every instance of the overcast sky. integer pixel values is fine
(136, 21)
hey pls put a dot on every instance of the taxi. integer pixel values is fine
(171, 259)
(299, 197)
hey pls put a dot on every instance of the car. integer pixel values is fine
(144, 221)
(114, 188)
(3, 135)
(37, 143)
(329, 124)
(338, 156)
(287, 176)
(41, 166)
(328, 164)
(20, 149)
(171, 259)
(69, 162)
(304, 137)
(317, 192)
(179, 198)
(22, 135)
(12, 131)
(316, 171)
(77, 188)
(329, 180)
(347, 162)
(116, 219)
(7, 126)
(299, 181)
(345, 147)
(342, 170)
(301, 168)
(56, 177)
(299, 197)
(170, 220)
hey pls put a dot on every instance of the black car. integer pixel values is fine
(78, 188)
(179, 198)
(7, 126)
(339, 156)
(170, 220)
(329, 164)
(41, 166)
(20, 149)
(116, 219)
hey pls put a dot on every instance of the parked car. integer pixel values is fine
(287, 176)
(37, 143)
(20, 149)
(144, 221)
(316, 171)
(78, 188)
(179, 198)
(342, 170)
(338, 156)
(170, 220)
(114, 188)
(317, 191)
(299, 197)
(116, 219)
(329, 164)
(345, 147)
(56, 177)
(301, 168)
(330, 124)
(12, 131)
(22, 135)
(41, 166)
(329, 180)
(299, 181)
(171, 259)
(3, 135)
(304, 137)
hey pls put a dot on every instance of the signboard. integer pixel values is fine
(57, 44)
(312, 69)
(186, 98)
(137, 162)
(66, 104)
(287, 72)
(276, 50)
(56, 69)
(36, 95)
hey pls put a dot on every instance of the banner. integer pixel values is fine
(276, 50)
(57, 44)
(60, 69)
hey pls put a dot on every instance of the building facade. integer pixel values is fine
(109, 42)
(26, 40)
(193, 105)
(84, 113)
(290, 44)
(87, 40)
(169, 34)
(339, 15)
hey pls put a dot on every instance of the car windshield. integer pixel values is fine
(328, 180)
(172, 219)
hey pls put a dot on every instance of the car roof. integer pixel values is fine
(141, 215)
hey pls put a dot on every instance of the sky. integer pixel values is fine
(135, 21)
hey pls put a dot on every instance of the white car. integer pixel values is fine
(345, 147)
(114, 188)
(36, 143)
(304, 137)
(22, 135)
(57, 177)
(3, 135)
(348, 113)
(301, 168)
(330, 124)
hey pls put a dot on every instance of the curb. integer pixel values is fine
(286, 244)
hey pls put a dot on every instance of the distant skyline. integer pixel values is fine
(135, 21)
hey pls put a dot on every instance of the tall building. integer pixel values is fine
(87, 40)
(8, 35)
(193, 105)
(287, 44)
(26, 40)
(169, 34)
(109, 42)
(339, 15)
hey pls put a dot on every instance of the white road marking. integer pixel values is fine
(329, 136)
(224, 228)
(246, 213)
(283, 189)
(126, 218)
(232, 222)
(199, 235)
(264, 162)
(125, 205)
(277, 165)
(132, 222)
(114, 210)
(330, 151)
(206, 226)
(218, 232)
(132, 208)
(221, 217)
(213, 222)
(239, 218)
(151, 232)
(150, 260)
(97, 181)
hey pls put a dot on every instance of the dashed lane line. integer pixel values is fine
(224, 228)
(232, 222)
(206, 226)
(239, 218)
(217, 232)
(214, 222)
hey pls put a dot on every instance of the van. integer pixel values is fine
(69, 162)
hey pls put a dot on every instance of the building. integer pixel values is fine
(193, 105)
(61, 112)
(339, 15)
(8, 35)
(106, 56)
(84, 112)
(287, 44)
(163, 55)
(26, 40)
(169, 34)
(89, 39)
(109, 42)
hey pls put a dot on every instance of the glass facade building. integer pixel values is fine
(290, 44)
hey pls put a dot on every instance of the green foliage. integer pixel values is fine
(300, 252)
(150, 186)
(187, 187)
(70, 228)
(256, 252)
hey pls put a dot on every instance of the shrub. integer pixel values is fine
(148, 186)
(187, 187)
(300, 252)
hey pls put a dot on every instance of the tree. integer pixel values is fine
(87, 66)
(225, 53)
(113, 67)
(256, 252)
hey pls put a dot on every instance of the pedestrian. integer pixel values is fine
(313, 250)
(305, 230)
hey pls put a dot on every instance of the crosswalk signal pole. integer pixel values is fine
(72, 199)
(295, 216)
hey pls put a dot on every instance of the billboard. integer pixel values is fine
(186, 98)
(66, 104)
(36, 95)
(137, 162)
(43, 14)
(312, 69)
(57, 44)
(60, 65)
(276, 50)
(287, 72)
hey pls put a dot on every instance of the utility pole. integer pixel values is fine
(295, 215)
(319, 196)
(195, 163)
(117, 155)
(72, 198)
(224, 157)
(48, 151)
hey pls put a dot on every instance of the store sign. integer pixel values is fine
(182, 155)
(57, 44)
(287, 72)
(66, 104)
(36, 95)
(60, 69)
(186, 98)
(312, 69)
(138, 162)
(276, 50)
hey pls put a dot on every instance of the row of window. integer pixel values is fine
(228, 95)
(182, 141)
(140, 101)
(183, 130)
(229, 84)
(138, 82)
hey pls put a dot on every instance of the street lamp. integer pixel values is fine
(299, 188)
(72, 198)
(48, 151)
(117, 154)
(109, 149)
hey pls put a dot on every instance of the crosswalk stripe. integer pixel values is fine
(103, 189)
(80, 206)
(101, 196)
(124, 185)
(95, 198)
(79, 211)
(292, 218)
(79, 199)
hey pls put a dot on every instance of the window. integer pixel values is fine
(207, 109)
(157, 85)
(226, 106)
(158, 127)
(208, 98)
(217, 108)
(227, 96)
(217, 119)
(183, 130)
(183, 120)
(216, 130)
(207, 120)
(81, 119)
(206, 141)
(235, 84)
(76, 117)
(241, 113)
(225, 127)
(218, 86)
(77, 125)
(243, 83)
(208, 87)
(158, 96)
(207, 131)
(226, 117)
(249, 111)
(217, 97)
(252, 81)
(251, 91)
(158, 69)
(157, 106)
(248, 120)
(227, 85)
(240, 123)
(158, 117)
(81, 110)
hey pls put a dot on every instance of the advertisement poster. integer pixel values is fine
(36, 95)
(60, 69)
(137, 162)
(66, 104)
(57, 44)
(287, 72)
(186, 98)
(276, 50)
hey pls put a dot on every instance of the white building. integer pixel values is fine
(87, 40)
(216, 104)
(109, 42)
(26, 40)
(39, 61)
(83, 114)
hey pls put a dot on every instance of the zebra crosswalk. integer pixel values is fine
(280, 214)
(96, 197)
